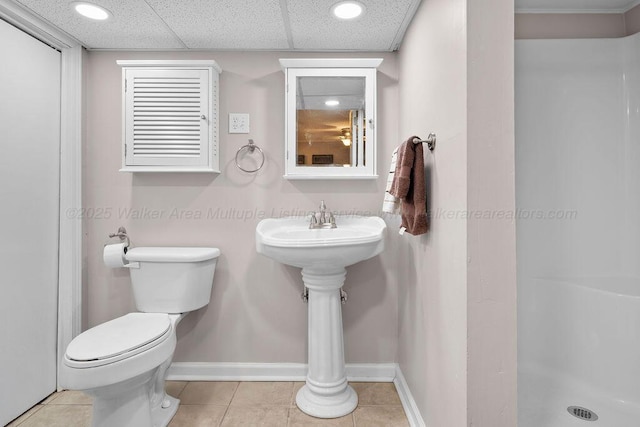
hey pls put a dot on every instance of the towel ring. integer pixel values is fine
(251, 147)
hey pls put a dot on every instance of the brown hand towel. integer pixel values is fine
(408, 185)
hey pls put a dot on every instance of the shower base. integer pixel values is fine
(543, 399)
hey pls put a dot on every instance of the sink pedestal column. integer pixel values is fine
(326, 393)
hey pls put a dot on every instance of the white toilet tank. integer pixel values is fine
(172, 279)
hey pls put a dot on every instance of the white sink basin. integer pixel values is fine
(290, 241)
(323, 255)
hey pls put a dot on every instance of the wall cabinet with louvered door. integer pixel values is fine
(170, 116)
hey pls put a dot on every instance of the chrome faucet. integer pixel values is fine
(323, 219)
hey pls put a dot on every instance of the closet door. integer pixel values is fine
(29, 219)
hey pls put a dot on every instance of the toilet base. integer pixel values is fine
(160, 416)
(128, 404)
(124, 404)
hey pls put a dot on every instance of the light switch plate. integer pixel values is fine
(238, 123)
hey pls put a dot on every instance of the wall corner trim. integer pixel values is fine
(408, 402)
(26, 20)
(70, 226)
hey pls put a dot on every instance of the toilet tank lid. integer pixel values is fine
(172, 254)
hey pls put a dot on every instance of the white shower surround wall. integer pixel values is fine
(578, 158)
(599, 344)
(579, 347)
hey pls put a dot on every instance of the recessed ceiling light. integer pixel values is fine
(91, 11)
(332, 103)
(347, 9)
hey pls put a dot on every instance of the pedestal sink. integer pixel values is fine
(323, 255)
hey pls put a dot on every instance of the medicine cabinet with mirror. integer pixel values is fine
(330, 118)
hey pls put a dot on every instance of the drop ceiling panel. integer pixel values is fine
(134, 24)
(231, 24)
(313, 27)
(225, 24)
(258, 24)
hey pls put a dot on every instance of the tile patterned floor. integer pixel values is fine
(229, 404)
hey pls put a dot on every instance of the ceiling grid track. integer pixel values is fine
(287, 24)
(166, 25)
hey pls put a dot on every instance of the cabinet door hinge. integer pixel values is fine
(125, 85)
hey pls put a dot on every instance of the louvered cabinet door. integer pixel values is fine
(169, 119)
(170, 116)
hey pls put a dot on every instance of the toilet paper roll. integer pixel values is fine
(114, 255)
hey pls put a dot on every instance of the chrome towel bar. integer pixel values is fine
(431, 141)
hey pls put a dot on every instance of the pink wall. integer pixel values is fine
(491, 241)
(255, 314)
(632, 20)
(569, 25)
(433, 277)
(410, 305)
(457, 287)
(577, 25)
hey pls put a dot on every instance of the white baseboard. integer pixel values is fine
(357, 372)
(408, 403)
(185, 371)
(361, 372)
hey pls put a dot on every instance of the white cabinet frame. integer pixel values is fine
(343, 67)
(182, 100)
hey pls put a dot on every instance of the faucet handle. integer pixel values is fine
(332, 220)
(323, 207)
(313, 221)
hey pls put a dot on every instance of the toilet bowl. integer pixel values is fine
(122, 363)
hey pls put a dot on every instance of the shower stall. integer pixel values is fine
(578, 227)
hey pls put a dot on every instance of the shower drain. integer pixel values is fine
(582, 413)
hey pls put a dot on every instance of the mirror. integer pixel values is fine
(330, 119)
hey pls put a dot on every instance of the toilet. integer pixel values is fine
(123, 363)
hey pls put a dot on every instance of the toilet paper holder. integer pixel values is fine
(124, 238)
(122, 234)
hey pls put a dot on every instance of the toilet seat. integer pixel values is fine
(118, 339)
